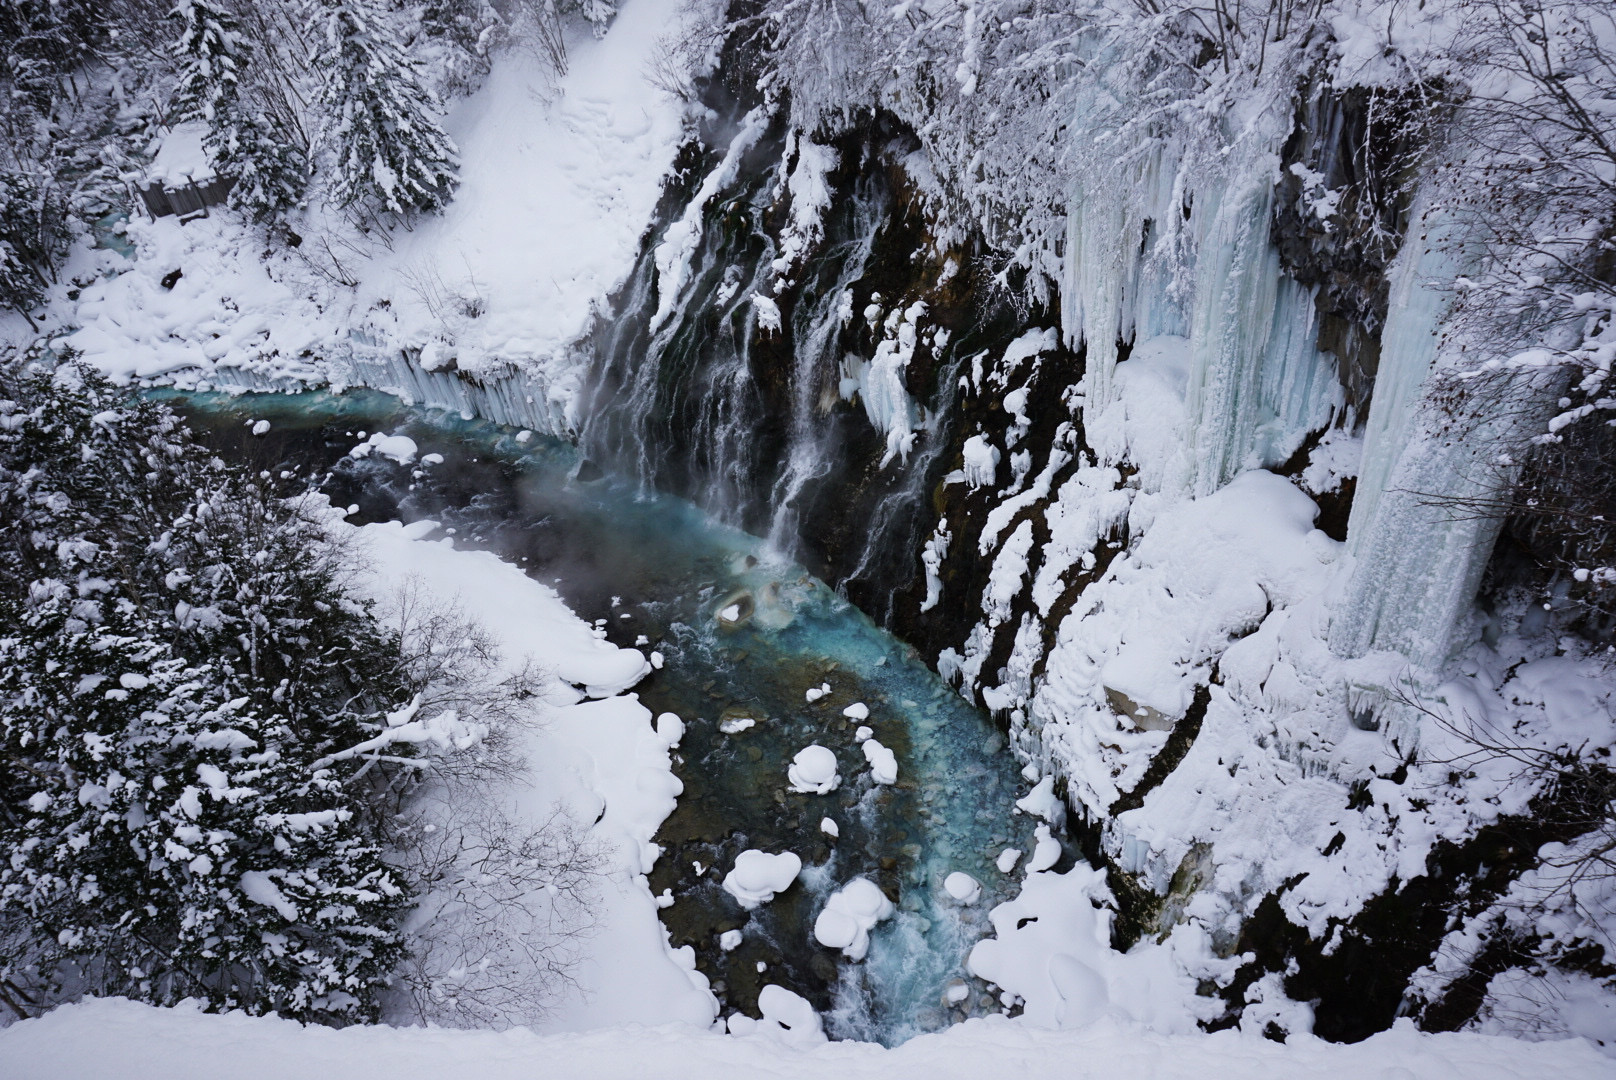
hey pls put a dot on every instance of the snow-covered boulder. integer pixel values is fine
(849, 915)
(758, 876)
(883, 762)
(813, 771)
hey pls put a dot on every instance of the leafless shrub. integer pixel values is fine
(1573, 787)
(505, 898)
(453, 664)
(506, 904)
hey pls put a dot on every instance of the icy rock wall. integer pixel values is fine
(1155, 616)
(1257, 384)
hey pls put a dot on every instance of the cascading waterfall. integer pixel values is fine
(816, 324)
(732, 390)
(673, 399)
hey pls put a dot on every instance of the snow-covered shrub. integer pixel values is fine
(42, 43)
(180, 673)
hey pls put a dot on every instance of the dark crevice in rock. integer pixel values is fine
(1171, 754)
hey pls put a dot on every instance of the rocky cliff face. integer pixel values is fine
(1067, 524)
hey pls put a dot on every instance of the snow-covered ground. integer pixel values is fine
(559, 181)
(594, 751)
(134, 1042)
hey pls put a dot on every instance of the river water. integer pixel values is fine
(656, 572)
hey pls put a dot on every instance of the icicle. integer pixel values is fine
(1417, 560)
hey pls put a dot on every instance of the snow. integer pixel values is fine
(962, 887)
(139, 1042)
(181, 157)
(810, 191)
(830, 828)
(670, 729)
(1048, 952)
(813, 771)
(932, 555)
(603, 759)
(398, 448)
(768, 314)
(729, 940)
(1046, 851)
(849, 915)
(559, 181)
(880, 381)
(788, 1019)
(857, 711)
(883, 762)
(1332, 462)
(1009, 574)
(736, 725)
(1042, 802)
(260, 888)
(589, 159)
(1007, 860)
(981, 462)
(1206, 572)
(759, 875)
(509, 604)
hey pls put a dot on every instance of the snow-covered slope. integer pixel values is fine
(135, 1042)
(558, 184)
(600, 757)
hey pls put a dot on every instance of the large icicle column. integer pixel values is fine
(1439, 451)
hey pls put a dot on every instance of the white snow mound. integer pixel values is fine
(758, 876)
(849, 915)
(813, 771)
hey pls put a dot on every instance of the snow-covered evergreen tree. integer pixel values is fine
(182, 682)
(269, 168)
(379, 124)
(270, 171)
(42, 43)
(211, 53)
(33, 238)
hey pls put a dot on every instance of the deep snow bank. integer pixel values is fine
(593, 751)
(133, 1042)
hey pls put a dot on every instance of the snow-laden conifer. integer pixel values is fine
(213, 55)
(33, 238)
(379, 119)
(180, 673)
